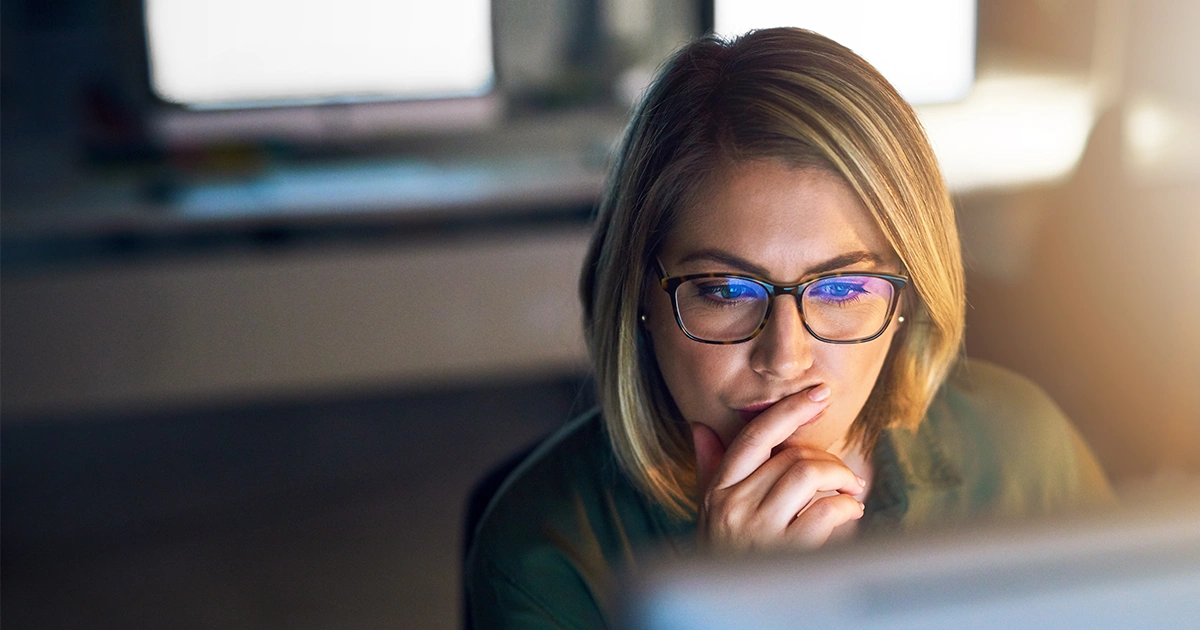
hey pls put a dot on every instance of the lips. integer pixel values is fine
(751, 412)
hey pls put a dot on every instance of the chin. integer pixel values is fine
(823, 432)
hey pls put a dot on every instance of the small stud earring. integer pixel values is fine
(900, 319)
(643, 317)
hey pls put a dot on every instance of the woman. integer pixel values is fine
(773, 301)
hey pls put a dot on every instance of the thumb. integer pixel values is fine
(709, 452)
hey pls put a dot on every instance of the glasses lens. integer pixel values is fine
(848, 308)
(721, 309)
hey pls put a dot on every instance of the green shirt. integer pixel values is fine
(567, 522)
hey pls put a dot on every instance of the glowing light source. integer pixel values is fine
(926, 48)
(221, 53)
(1161, 139)
(1012, 130)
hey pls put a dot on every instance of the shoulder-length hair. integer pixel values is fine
(785, 94)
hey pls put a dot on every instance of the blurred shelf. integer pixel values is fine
(536, 168)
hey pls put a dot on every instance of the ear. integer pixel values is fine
(651, 286)
(904, 310)
(646, 302)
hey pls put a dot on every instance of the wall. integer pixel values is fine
(304, 321)
(1092, 286)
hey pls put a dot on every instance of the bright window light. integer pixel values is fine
(237, 53)
(1161, 139)
(925, 48)
(1012, 131)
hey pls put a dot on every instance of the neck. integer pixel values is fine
(854, 456)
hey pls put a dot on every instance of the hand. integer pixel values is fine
(753, 497)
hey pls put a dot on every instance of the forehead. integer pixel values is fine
(783, 219)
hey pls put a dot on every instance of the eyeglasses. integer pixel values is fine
(722, 308)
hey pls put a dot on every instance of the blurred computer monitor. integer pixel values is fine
(1137, 568)
(317, 70)
(925, 48)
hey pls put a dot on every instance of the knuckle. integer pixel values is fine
(793, 454)
(726, 521)
(836, 506)
(753, 436)
(803, 452)
(803, 471)
(822, 508)
(717, 506)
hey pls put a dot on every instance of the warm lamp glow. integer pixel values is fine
(1012, 131)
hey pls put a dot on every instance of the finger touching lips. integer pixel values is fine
(753, 444)
(818, 393)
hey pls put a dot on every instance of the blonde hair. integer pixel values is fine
(795, 96)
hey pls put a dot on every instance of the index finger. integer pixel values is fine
(753, 444)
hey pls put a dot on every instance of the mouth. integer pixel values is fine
(751, 412)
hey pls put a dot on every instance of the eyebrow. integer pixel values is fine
(737, 262)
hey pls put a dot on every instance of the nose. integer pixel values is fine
(784, 347)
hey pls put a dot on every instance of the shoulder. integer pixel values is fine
(550, 545)
(573, 464)
(992, 399)
(1012, 443)
(1002, 409)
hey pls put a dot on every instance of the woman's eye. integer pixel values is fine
(725, 291)
(731, 291)
(836, 290)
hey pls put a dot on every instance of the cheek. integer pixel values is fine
(855, 368)
(694, 372)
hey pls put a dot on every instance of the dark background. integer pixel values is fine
(247, 420)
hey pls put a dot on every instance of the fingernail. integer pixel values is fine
(818, 393)
(862, 506)
(862, 482)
